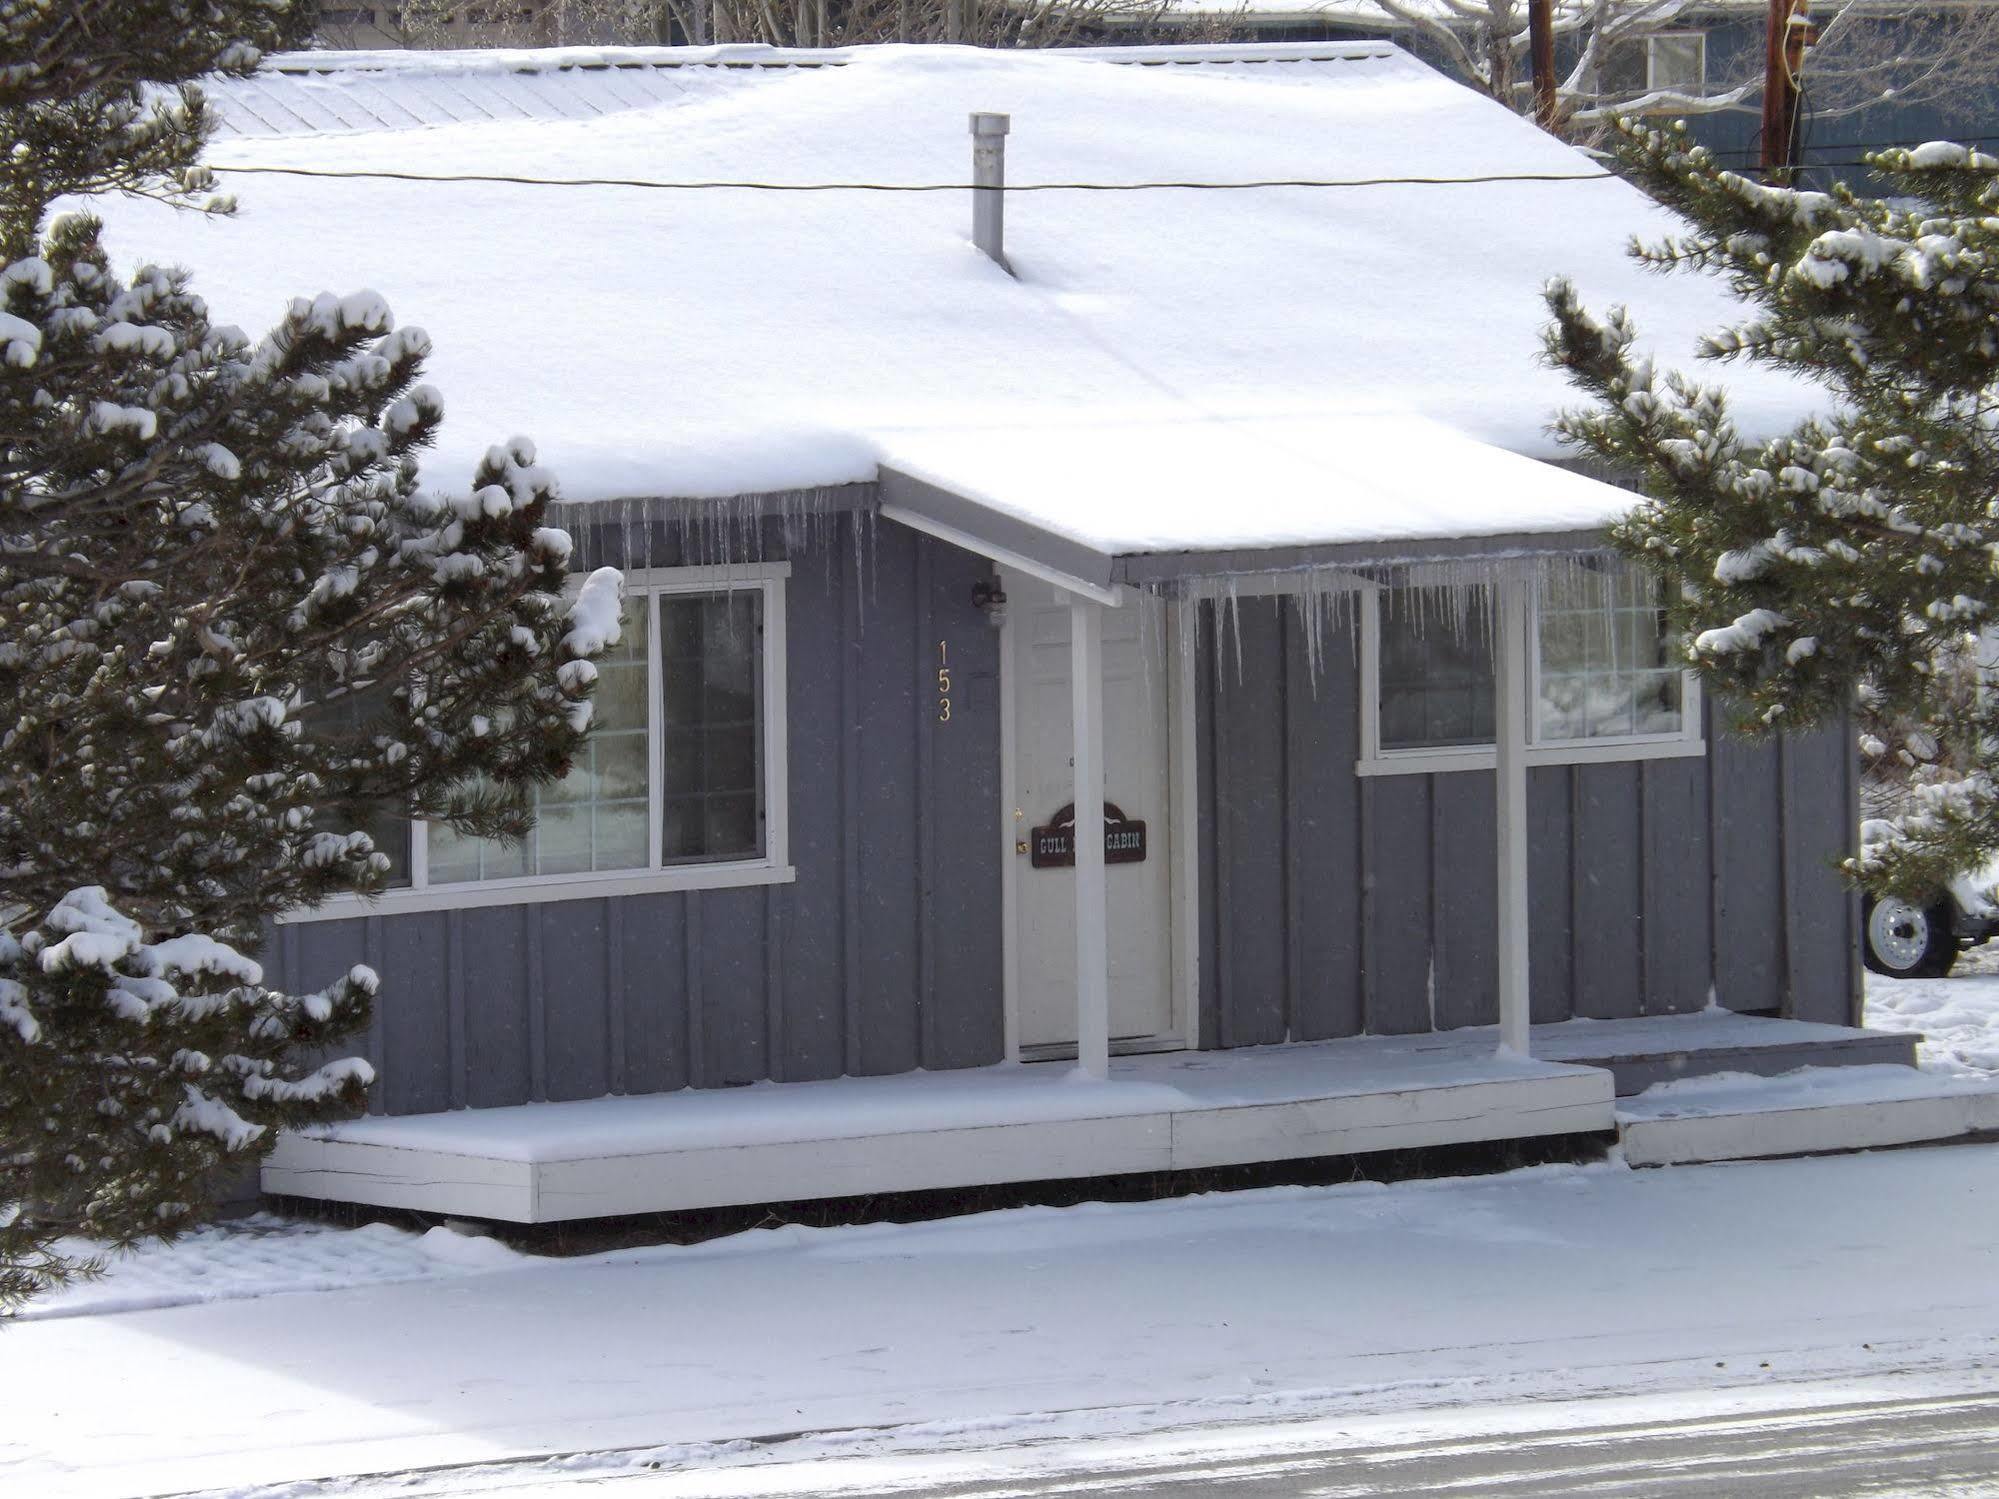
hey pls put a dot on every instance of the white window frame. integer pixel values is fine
(1376, 761)
(773, 868)
(1652, 83)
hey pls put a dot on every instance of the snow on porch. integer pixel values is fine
(776, 1142)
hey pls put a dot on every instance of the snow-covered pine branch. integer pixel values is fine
(239, 633)
(1848, 564)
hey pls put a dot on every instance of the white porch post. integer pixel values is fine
(1093, 985)
(1510, 708)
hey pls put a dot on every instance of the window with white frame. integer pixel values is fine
(1668, 60)
(1605, 680)
(680, 779)
(1676, 60)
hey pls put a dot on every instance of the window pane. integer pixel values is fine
(1678, 62)
(594, 817)
(353, 713)
(1623, 68)
(619, 840)
(617, 766)
(1436, 671)
(711, 699)
(1657, 704)
(561, 839)
(1606, 665)
(391, 832)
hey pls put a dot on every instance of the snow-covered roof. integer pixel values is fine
(1277, 343)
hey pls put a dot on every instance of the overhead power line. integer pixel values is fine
(917, 187)
(1169, 185)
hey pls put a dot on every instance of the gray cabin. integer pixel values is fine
(1225, 521)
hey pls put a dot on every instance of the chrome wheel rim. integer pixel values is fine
(1899, 932)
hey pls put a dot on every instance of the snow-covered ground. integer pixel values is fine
(266, 1255)
(273, 1353)
(1004, 1327)
(1958, 1017)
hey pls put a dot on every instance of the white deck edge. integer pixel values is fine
(1554, 1100)
(1809, 1129)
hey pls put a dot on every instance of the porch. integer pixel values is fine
(777, 1142)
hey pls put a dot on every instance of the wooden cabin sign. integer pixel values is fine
(1054, 845)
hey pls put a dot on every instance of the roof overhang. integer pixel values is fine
(1006, 539)
(1155, 568)
(1096, 509)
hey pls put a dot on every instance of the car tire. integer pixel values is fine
(1902, 940)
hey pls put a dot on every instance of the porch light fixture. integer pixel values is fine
(990, 600)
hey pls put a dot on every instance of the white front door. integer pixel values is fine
(1137, 782)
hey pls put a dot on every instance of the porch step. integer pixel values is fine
(1656, 1049)
(1735, 1117)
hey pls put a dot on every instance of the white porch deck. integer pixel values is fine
(777, 1142)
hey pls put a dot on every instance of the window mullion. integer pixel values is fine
(655, 736)
(1533, 664)
(419, 854)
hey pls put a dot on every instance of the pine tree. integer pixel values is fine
(234, 630)
(1851, 560)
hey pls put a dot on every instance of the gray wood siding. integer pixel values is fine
(883, 956)
(1335, 904)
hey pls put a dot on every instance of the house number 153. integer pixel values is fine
(943, 683)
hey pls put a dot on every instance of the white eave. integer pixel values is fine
(1091, 506)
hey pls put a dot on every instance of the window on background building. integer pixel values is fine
(1675, 60)
(1604, 673)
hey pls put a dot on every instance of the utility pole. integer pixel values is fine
(1541, 56)
(1789, 31)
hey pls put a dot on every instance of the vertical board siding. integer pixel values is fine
(966, 944)
(653, 936)
(1400, 957)
(1818, 833)
(455, 1009)
(1607, 862)
(1551, 893)
(1251, 809)
(1746, 837)
(812, 1036)
(885, 833)
(576, 999)
(1324, 843)
(496, 1005)
(1369, 903)
(1464, 900)
(1679, 941)
(1211, 964)
(883, 955)
(416, 1025)
(733, 988)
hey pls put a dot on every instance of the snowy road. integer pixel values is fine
(1905, 1444)
(1911, 1436)
(1941, 1445)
